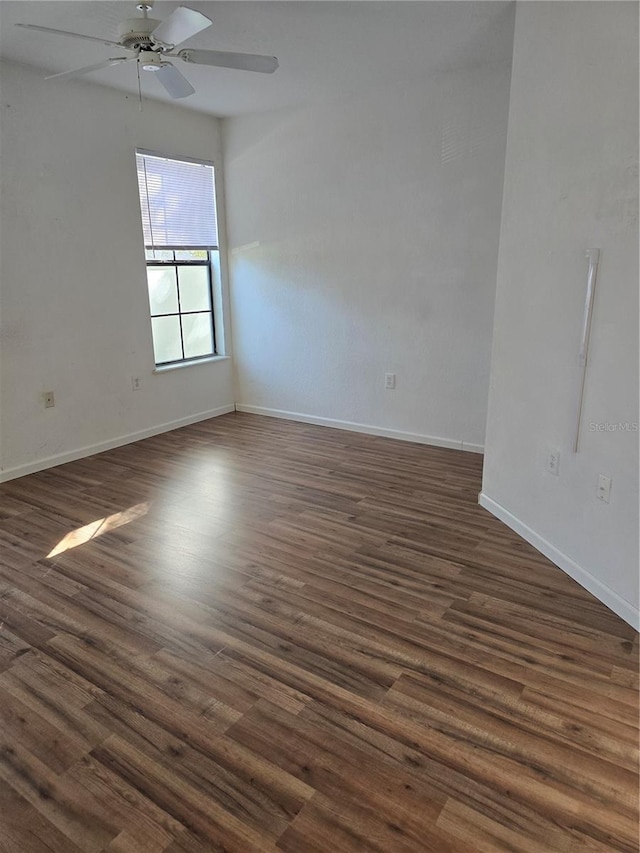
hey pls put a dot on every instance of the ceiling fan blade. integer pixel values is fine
(65, 33)
(173, 81)
(77, 72)
(180, 25)
(226, 59)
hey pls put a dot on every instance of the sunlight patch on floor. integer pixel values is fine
(98, 528)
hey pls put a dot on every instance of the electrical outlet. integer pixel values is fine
(553, 462)
(136, 383)
(603, 490)
(389, 381)
(48, 399)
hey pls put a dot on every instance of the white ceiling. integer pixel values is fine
(324, 48)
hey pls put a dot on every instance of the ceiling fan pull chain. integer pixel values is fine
(139, 86)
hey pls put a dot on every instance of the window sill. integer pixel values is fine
(168, 367)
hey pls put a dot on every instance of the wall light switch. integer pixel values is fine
(389, 381)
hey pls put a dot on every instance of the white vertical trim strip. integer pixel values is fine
(594, 258)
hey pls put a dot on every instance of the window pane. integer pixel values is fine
(166, 338)
(158, 254)
(198, 335)
(195, 294)
(191, 254)
(163, 294)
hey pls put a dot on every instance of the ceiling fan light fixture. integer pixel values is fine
(151, 61)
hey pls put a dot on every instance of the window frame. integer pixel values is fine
(180, 314)
(212, 263)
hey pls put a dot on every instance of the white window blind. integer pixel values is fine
(177, 202)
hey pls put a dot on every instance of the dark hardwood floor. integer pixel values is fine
(255, 635)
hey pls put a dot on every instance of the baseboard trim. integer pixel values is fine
(469, 447)
(418, 438)
(601, 591)
(82, 452)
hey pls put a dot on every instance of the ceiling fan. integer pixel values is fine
(152, 41)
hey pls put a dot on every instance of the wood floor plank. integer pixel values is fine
(481, 797)
(25, 830)
(237, 685)
(486, 835)
(398, 811)
(184, 801)
(259, 804)
(494, 726)
(250, 635)
(85, 825)
(328, 823)
(58, 750)
(11, 648)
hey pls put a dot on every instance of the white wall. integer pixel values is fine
(73, 301)
(377, 218)
(571, 183)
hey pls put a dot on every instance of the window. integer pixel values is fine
(177, 203)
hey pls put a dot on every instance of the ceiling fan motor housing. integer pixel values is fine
(135, 33)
